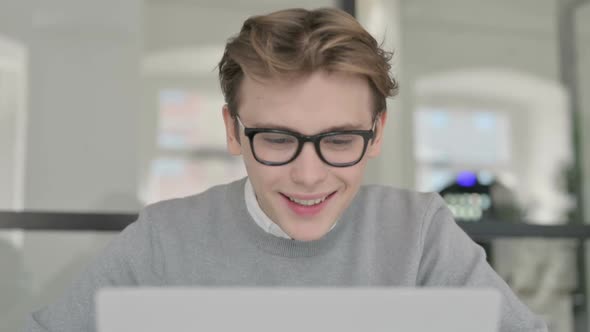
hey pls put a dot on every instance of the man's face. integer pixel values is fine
(315, 104)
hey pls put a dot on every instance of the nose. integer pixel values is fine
(308, 170)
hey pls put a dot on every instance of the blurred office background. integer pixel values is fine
(106, 106)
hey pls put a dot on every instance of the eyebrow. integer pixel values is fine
(341, 127)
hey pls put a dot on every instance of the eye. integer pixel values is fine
(339, 141)
(281, 140)
(275, 139)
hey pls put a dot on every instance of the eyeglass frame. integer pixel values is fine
(367, 135)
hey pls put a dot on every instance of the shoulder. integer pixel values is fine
(402, 203)
(181, 206)
(186, 211)
(395, 211)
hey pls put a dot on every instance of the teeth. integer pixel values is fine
(307, 202)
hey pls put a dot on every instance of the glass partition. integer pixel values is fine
(37, 267)
(106, 106)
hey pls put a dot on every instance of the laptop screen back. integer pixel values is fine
(297, 309)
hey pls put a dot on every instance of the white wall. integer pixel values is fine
(13, 90)
(583, 43)
(83, 101)
(84, 106)
(395, 165)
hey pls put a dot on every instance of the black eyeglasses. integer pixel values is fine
(275, 147)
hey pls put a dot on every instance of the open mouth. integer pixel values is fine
(309, 202)
(307, 207)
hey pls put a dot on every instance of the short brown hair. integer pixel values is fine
(297, 42)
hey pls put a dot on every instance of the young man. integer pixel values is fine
(305, 93)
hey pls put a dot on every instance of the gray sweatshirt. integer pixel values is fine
(386, 237)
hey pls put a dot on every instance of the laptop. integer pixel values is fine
(297, 309)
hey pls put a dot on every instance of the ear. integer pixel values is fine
(233, 143)
(374, 148)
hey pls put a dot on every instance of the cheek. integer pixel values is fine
(350, 176)
(264, 177)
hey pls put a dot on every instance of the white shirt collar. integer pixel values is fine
(258, 215)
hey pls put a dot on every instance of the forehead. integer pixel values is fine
(307, 104)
